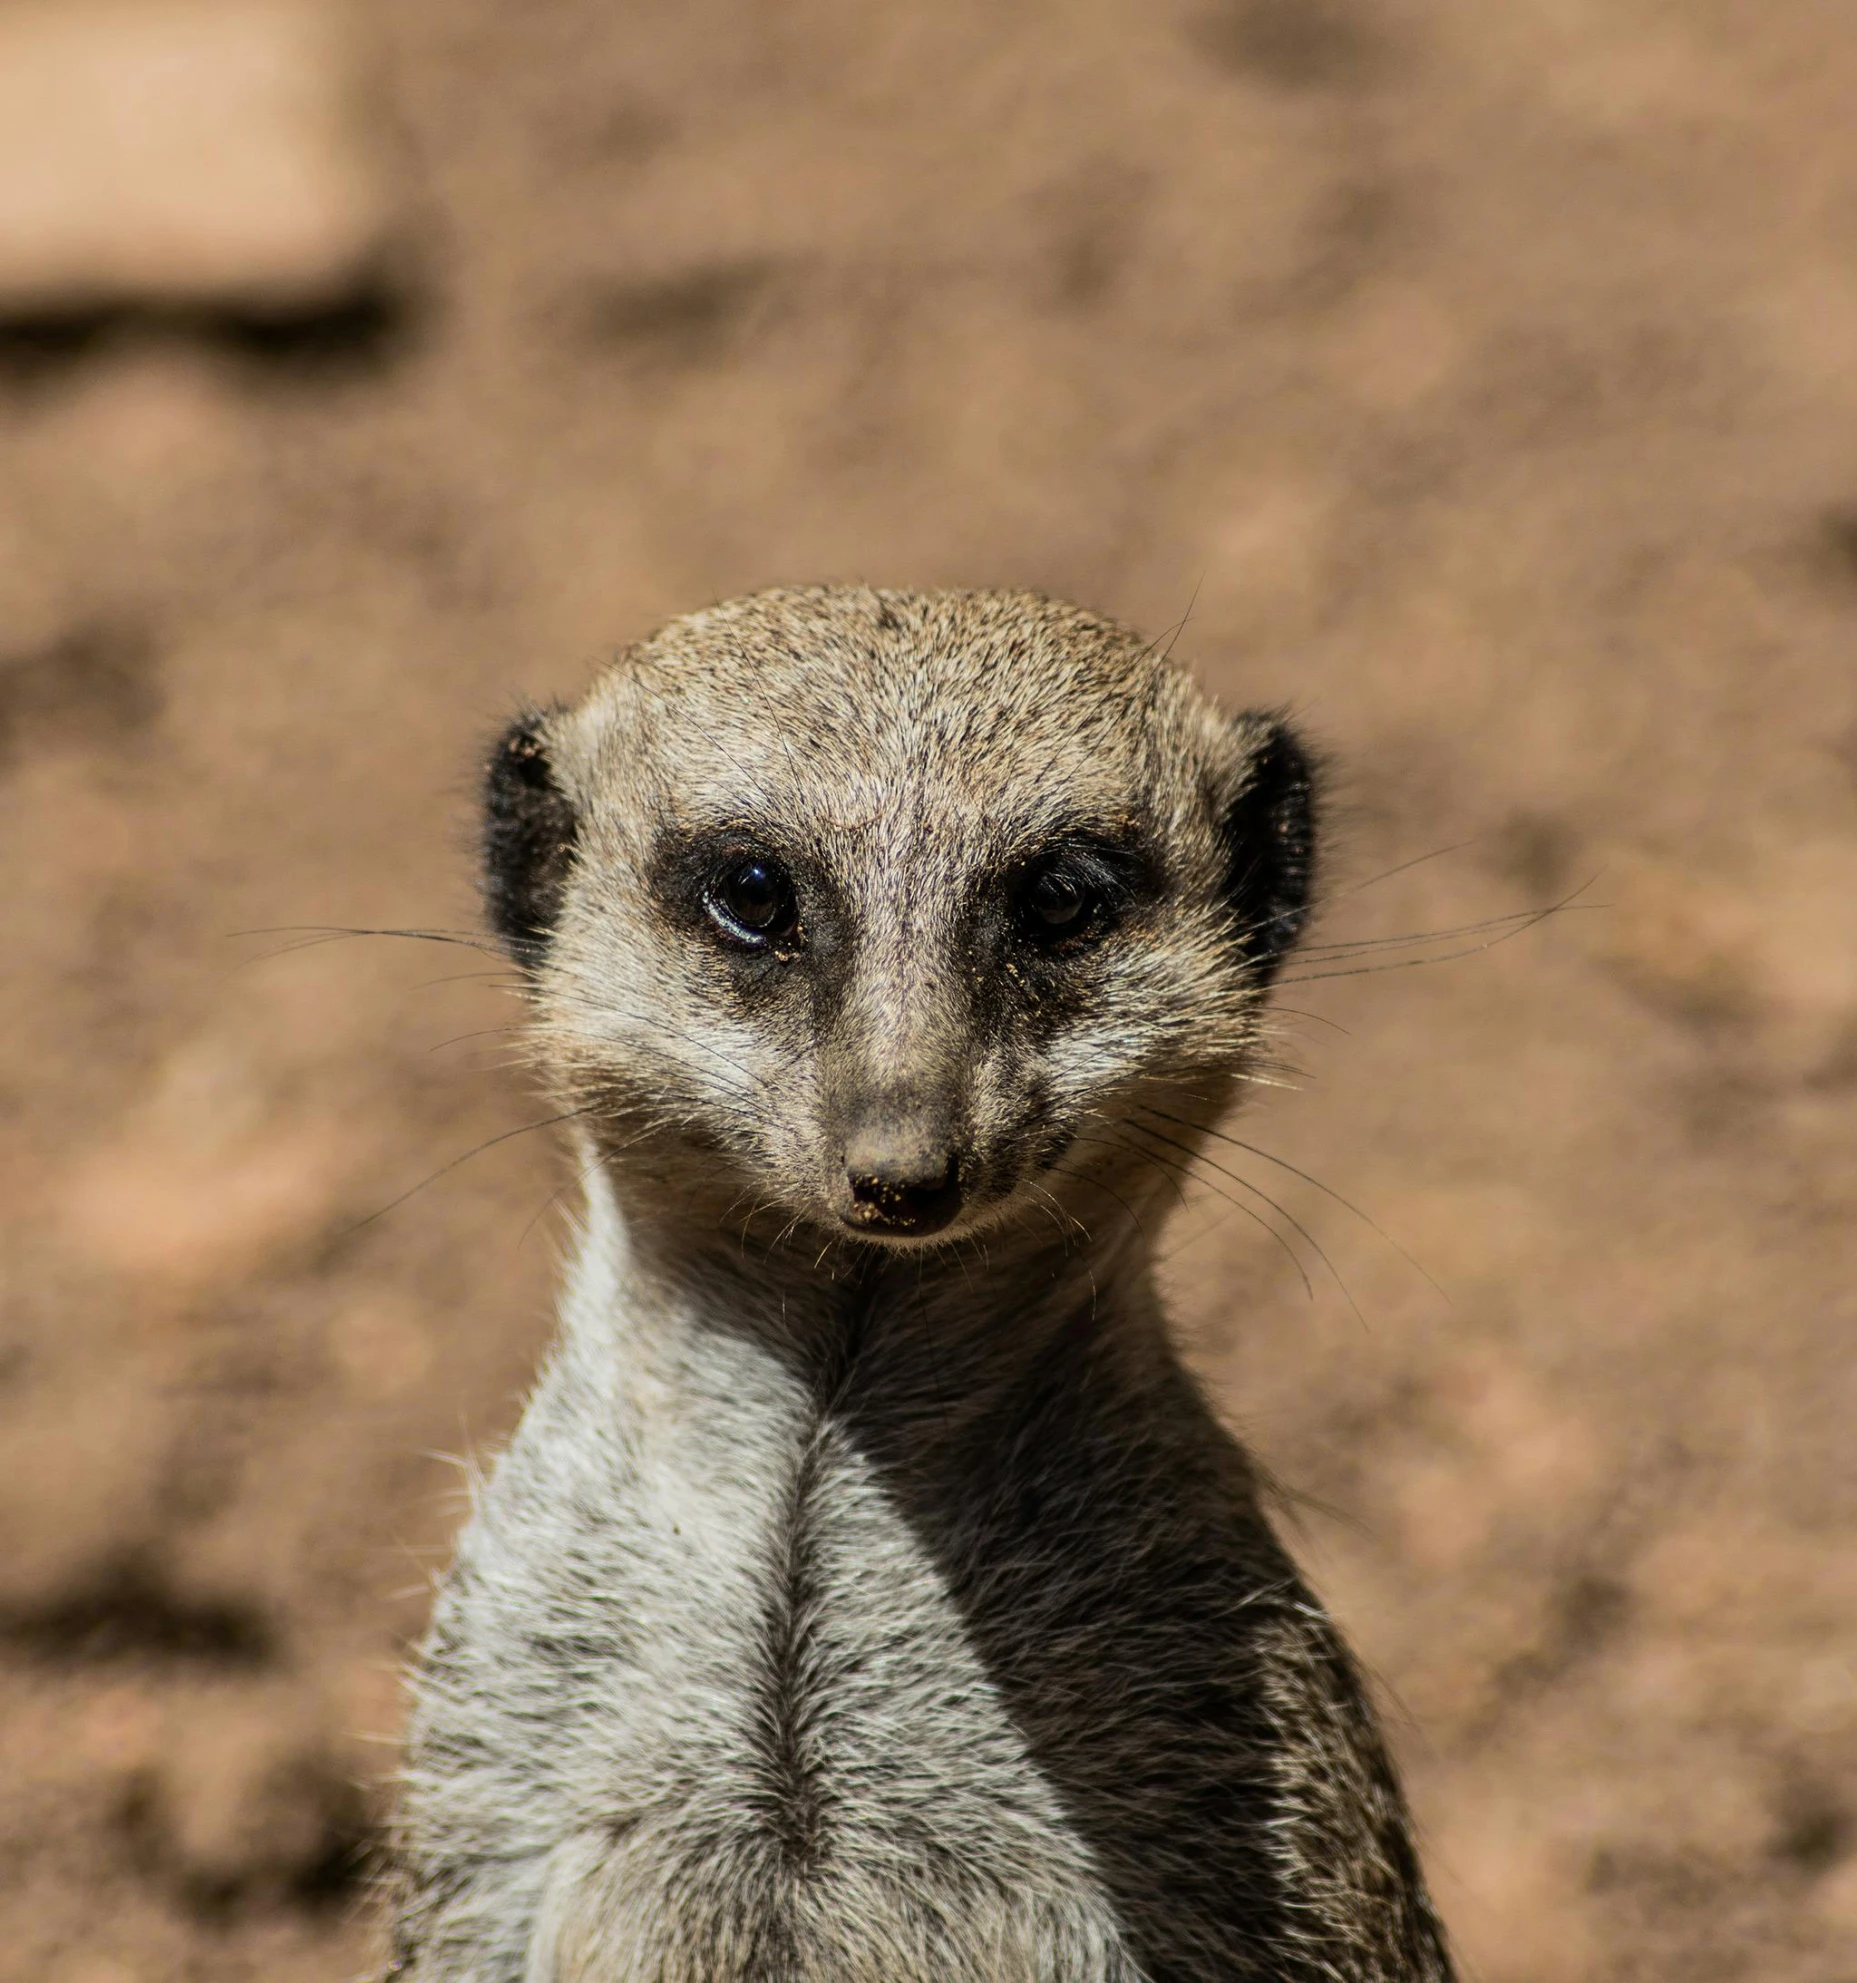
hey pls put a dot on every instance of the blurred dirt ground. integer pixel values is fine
(1483, 379)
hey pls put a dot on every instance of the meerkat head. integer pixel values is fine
(877, 913)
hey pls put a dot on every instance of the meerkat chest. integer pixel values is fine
(793, 1762)
(799, 1667)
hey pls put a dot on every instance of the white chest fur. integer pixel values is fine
(736, 1699)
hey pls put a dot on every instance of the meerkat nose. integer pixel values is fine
(903, 1179)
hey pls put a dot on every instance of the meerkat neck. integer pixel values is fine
(955, 1321)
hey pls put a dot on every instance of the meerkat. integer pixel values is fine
(868, 1594)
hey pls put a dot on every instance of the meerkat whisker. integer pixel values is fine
(1283, 1164)
(1245, 1184)
(1180, 1173)
(445, 1170)
(1525, 921)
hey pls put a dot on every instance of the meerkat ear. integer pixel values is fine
(1269, 832)
(528, 840)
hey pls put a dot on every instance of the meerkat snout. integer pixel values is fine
(902, 1174)
(897, 1092)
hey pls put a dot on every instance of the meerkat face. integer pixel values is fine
(875, 912)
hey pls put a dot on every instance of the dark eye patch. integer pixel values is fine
(730, 886)
(1076, 891)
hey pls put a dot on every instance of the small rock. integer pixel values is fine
(182, 154)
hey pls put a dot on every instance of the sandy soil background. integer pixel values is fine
(1483, 378)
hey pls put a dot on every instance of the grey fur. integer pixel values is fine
(857, 1604)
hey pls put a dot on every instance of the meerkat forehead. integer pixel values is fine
(848, 709)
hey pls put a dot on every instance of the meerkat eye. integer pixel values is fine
(1055, 903)
(752, 900)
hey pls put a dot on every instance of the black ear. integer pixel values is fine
(1269, 834)
(529, 832)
